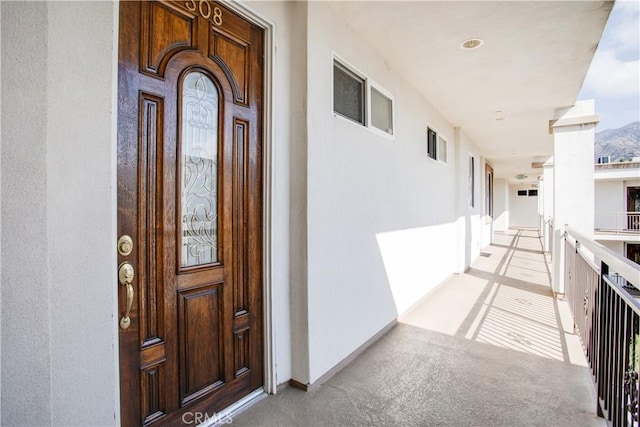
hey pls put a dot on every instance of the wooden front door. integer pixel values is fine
(190, 84)
(633, 208)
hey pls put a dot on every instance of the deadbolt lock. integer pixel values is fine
(125, 245)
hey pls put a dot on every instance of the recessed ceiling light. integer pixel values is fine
(499, 115)
(471, 43)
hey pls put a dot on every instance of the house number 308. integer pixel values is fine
(206, 11)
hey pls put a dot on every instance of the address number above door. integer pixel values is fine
(206, 11)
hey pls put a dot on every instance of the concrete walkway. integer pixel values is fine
(491, 347)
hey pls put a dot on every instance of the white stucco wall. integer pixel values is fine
(382, 220)
(617, 247)
(501, 205)
(487, 222)
(547, 206)
(0, 217)
(81, 220)
(610, 196)
(58, 198)
(523, 210)
(468, 218)
(289, 186)
(26, 358)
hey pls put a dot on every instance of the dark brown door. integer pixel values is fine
(633, 252)
(189, 195)
(633, 208)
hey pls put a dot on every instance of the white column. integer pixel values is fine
(500, 204)
(547, 204)
(573, 190)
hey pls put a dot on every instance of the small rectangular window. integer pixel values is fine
(432, 143)
(522, 192)
(533, 193)
(442, 149)
(348, 93)
(489, 191)
(381, 111)
(472, 181)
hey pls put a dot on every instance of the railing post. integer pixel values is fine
(604, 269)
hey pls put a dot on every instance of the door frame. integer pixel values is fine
(268, 180)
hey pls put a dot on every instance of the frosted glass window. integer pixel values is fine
(199, 171)
(442, 149)
(381, 112)
(348, 93)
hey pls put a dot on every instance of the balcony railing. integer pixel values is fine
(617, 222)
(602, 290)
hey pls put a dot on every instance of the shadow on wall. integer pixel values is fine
(416, 260)
(375, 276)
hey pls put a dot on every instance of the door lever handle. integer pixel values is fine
(125, 276)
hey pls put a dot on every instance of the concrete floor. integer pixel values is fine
(491, 347)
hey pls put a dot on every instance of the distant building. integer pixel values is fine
(617, 207)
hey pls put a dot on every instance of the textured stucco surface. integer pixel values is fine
(81, 212)
(26, 358)
(58, 220)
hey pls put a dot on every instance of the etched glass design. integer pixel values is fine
(199, 171)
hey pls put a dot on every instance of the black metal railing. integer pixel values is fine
(601, 288)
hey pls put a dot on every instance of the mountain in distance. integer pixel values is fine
(620, 144)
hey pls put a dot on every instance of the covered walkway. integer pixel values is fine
(491, 347)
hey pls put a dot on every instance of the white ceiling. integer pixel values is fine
(534, 59)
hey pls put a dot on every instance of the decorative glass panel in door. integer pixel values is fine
(199, 171)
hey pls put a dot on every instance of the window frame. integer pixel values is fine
(350, 71)
(432, 132)
(489, 179)
(439, 138)
(367, 106)
(472, 181)
(375, 86)
(437, 155)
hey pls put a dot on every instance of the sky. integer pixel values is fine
(613, 79)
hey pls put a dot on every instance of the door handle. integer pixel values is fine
(125, 276)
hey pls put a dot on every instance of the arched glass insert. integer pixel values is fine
(199, 171)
